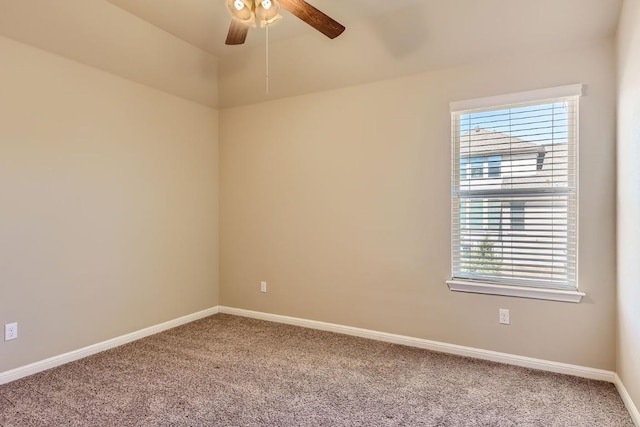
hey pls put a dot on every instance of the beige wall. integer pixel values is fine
(100, 34)
(629, 199)
(340, 201)
(108, 205)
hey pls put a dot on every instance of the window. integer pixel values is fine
(463, 168)
(517, 215)
(476, 214)
(481, 214)
(477, 167)
(514, 195)
(494, 166)
(494, 215)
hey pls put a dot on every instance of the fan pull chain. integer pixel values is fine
(266, 81)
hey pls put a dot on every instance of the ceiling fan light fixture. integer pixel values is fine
(242, 11)
(267, 11)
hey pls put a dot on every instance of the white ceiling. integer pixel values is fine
(178, 45)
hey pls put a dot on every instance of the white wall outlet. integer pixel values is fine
(10, 331)
(504, 316)
(263, 286)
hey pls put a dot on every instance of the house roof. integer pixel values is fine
(486, 142)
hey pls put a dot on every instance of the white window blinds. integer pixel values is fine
(514, 193)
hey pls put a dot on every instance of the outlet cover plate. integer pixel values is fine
(10, 331)
(504, 316)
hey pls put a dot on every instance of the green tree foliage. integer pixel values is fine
(481, 258)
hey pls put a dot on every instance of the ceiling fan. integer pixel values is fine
(245, 13)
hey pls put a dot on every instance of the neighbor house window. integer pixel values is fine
(494, 214)
(477, 167)
(517, 215)
(494, 166)
(514, 195)
(464, 164)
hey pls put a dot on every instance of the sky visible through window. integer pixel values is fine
(543, 123)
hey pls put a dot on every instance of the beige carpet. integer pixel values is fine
(231, 371)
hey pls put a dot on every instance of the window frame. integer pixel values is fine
(564, 294)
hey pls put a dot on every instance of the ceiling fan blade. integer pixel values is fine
(312, 16)
(237, 33)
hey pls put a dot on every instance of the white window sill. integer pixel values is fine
(515, 291)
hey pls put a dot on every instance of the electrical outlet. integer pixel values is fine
(504, 316)
(10, 331)
(263, 286)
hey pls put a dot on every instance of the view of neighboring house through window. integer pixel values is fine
(477, 167)
(514, 198)
(517, 215)
(494, 166)
(464, 165)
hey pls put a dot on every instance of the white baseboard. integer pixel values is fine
(624, 394)
(476, 353)
(61, 359)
